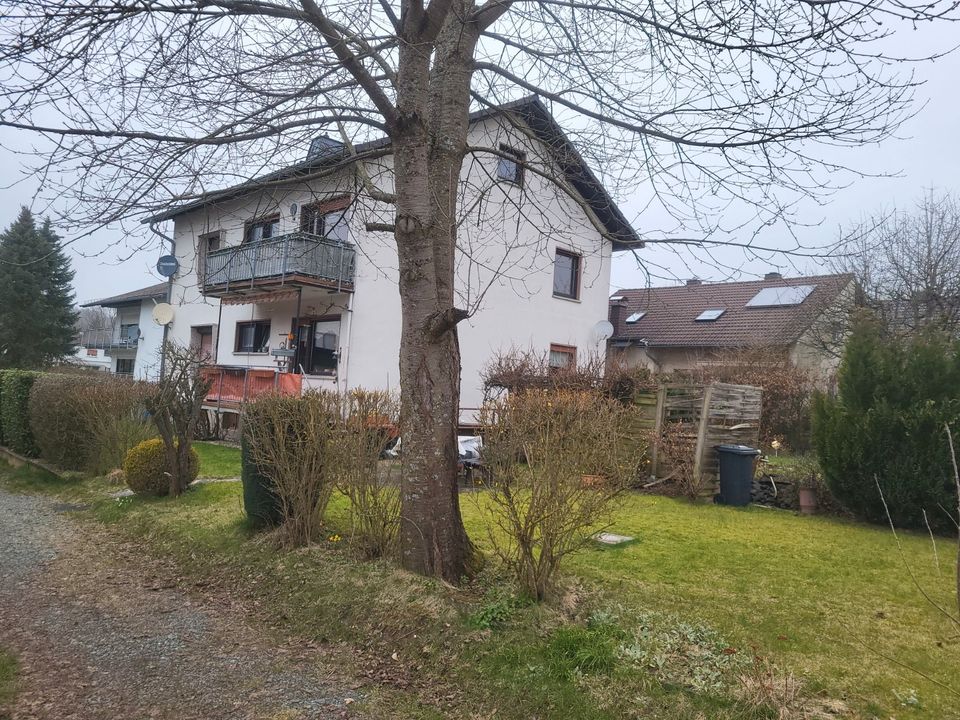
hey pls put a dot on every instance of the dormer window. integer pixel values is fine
(510, 165)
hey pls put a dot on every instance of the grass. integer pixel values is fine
(8, 674)
(218, 461)
(711, 613)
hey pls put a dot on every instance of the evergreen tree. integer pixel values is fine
(37, 313)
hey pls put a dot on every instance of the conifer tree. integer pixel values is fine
(37, 313)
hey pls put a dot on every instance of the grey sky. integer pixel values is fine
(926, 154)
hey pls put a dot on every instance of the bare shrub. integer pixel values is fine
(176, 404)
(291, 441)
(787, 390)
(369, 424)
(554, 465)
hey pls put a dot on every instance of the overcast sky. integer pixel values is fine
(926, 154)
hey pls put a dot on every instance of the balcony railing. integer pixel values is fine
(232, 386)
(297, 258)
(106, 340)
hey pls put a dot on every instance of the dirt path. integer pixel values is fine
(98, 635)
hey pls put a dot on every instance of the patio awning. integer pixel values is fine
(260, 297)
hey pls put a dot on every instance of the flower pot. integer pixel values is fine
(808, 500)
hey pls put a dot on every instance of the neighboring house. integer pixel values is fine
(132, 345)
(285, 286)
(677, 328)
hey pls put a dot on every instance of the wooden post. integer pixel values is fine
(702, 432)
(657, 428)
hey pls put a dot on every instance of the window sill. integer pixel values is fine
(568, 299)
(249, 352)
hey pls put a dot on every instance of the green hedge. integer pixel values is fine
(15, 410)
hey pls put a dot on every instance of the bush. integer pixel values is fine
(17, 433)
(147, 470)
(88, 422)
(555, 463)
(291, 442)
(896, 394)
(369, 425)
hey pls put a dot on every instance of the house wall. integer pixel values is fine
(147, 366)
(504, 272)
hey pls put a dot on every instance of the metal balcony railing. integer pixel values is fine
(106, 339)
(281, 257)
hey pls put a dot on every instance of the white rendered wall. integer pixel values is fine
(147, 366)
(504, 274)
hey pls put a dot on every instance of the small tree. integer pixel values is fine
(554, 465)
(895, 395)
(176, 406)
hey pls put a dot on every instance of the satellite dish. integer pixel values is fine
(603, 330)
(293, 209)
(163, 313)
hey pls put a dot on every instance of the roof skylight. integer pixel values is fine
(779, 296)
(635, 317)
(710, 315)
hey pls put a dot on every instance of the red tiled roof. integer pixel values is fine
(671, 311)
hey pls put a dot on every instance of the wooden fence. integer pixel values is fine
(715, 414)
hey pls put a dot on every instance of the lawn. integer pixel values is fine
(8, 672)
(713, 613)
(218, 461)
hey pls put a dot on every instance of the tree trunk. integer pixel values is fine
(429, 142)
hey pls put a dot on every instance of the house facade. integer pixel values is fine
(684, 327)
(131, 346)
(283, 283)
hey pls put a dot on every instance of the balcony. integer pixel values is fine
(231, 387)
(294, 260)
(108, 339)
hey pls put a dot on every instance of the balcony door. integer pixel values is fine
(318, 344)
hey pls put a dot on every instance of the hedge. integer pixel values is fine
(15, 410)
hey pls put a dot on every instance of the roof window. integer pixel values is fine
(635, 317)
(781, 296)
(710, 315)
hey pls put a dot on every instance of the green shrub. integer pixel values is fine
(260, 500)
(88, 422)
(896, 394)
(147, 471)
(17, 434)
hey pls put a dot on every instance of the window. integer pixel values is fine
(710, 315)
(777, 296)
(636, 317)
(328, 219)
(253, 337)
(566, 275)
(562, 356)
(265, 229)
(125, 366)
(510, 168)
(210, 242)
(129, 334)
(318, 346)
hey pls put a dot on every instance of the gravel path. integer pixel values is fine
(99, 633)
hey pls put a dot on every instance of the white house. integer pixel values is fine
(132, 345)
(283, 284)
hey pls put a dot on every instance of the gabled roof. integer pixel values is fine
(530, 109)
(670, 313)
(153, 292)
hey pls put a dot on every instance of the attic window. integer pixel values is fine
(635, 317)
(617, 298)
(781, 296)
(710, 315)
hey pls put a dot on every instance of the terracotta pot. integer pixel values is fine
(808, 501)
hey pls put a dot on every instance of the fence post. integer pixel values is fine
(657, 429)
(702, 432)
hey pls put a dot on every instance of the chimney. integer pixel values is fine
(694, 281)
(774, 275)
(617, 304)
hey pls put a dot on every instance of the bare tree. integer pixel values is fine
(708, 102)
(907, 263)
